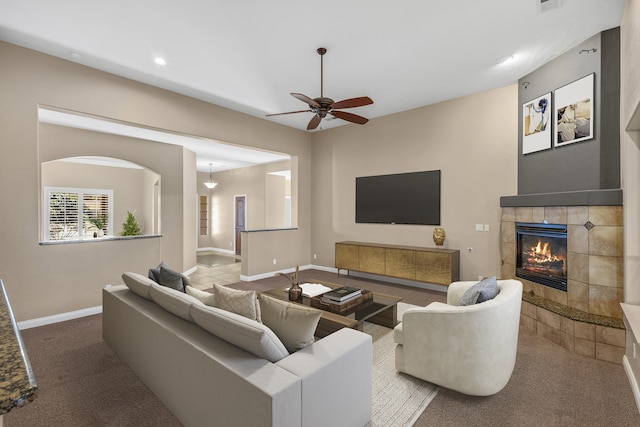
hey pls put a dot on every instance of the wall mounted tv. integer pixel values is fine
(404, 198)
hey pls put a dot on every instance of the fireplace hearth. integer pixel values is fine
(541, 255)
(586, 317)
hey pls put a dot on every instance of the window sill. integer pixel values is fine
(99, 239)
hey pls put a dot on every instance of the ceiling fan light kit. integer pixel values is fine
(323, 106)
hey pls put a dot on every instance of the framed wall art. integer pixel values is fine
(536, 124)
(574, 111)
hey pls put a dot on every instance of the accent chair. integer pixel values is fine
(470, 349)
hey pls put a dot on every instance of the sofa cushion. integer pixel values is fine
(484, 290)
(244, 303)
(138, 284)
(173, 301)
(294, 324)
(249, 335)
(206, 297)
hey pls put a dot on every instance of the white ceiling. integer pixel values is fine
(248, 55)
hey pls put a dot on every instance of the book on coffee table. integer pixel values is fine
(342, 294)
(311, 290)
(344, 301)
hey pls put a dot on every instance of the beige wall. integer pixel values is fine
(46, 280)
(189, 209)
(630, 147)
(149, 218)
(127, 185)
(275, 187)
(472, 140)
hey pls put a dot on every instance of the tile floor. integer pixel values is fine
(206, 275)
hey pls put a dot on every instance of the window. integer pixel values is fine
(77, 213)
(204, 217)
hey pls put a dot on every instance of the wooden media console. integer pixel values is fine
(430, 265)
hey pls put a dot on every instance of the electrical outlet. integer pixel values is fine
(274, 261)
(479, 227)
(486, 227)
(315, 256)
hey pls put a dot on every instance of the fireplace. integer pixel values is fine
(541, 255)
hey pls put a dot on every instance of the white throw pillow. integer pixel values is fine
(206, 297)
(235, 329)
(138, 284)
(244, 303)
(294, 324)
(173, 301)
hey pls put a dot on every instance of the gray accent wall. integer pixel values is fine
(585, 166)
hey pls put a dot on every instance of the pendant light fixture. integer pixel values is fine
(211, 184)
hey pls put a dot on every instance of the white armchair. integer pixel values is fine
(470, 349)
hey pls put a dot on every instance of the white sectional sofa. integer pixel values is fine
(206, 381)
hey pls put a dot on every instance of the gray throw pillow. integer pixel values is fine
(485, 290)
(172, 279)
(154, 273)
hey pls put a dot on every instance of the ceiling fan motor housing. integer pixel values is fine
(325, 106)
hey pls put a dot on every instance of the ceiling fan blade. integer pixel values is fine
(353, 118)
(315, 121)
(305, 98)
(290, 112)
(353, 102)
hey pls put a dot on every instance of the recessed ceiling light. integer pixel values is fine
(160, 61)
(75, 55)
(505, 60)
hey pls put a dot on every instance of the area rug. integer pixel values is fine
(398, 399)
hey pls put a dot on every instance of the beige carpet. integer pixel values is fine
(398, 399)
(83, 382)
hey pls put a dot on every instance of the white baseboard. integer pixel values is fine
(324, 268)
(48, 320)
(632, 380)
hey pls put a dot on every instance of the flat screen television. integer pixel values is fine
(404, 198)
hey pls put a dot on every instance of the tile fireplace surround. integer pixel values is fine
(587, 319)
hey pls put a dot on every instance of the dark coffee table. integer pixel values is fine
(381, 309)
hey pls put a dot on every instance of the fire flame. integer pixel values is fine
(541, 254)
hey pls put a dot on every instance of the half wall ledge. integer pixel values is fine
(610, 197)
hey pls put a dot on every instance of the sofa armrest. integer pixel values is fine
(334, 370)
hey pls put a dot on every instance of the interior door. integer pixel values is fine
(240, 222)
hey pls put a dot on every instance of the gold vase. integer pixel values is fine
(438, 236)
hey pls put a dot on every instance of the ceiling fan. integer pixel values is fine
(322, 106)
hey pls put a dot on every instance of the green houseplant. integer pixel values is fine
(131, 227)
(99, 222)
